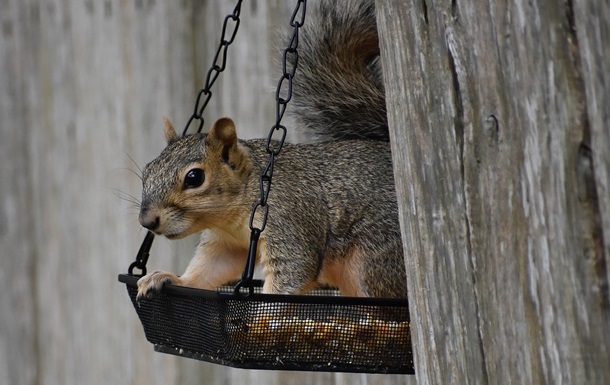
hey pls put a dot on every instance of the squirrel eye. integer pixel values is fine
(194, 178)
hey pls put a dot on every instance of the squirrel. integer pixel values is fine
(333, 217)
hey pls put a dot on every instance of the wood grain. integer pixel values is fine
(499, 120)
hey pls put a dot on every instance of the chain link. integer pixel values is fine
(283, 94)
(218, 65)
(273, 146)
(142, 256)
(203, 98)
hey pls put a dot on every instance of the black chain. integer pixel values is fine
(283, 94)
(142, 256)
(205, 94)
(284, 87)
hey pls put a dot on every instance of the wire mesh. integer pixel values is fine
(318, 332)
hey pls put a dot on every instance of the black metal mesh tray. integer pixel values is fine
(319, 332)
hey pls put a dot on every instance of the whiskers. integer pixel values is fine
(214, 216)
(218, 208)
(139, 173)
(185, 203)
(225, 217)
(134, 202)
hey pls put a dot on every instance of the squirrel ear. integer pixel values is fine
(224, 131)
(169, 130)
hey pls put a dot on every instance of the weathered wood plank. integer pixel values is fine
(591, 34)
(435, 239)
(499, 116)
(18, 315)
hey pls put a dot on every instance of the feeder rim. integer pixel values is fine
(287, 366)
(131, 280)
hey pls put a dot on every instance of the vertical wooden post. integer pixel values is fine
(499, 118)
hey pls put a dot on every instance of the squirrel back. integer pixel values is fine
(338, 86)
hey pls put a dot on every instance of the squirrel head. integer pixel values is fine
(197, 182)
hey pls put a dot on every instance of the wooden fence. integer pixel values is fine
(83, 88)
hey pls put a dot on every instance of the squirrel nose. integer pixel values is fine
(150, 221)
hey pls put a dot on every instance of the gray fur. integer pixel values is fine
(327, 198)
(331, 203)
(338, 85)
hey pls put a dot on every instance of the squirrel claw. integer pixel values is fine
(147, 295)
(151, 285)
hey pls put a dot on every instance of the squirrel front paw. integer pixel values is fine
(151, 284)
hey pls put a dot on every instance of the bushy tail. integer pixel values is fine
(338, 87)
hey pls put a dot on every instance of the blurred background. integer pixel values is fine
(83, 87)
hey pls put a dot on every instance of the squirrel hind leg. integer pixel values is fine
(383, 273)
(276, 285)
(288, 268)
(345, 274)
